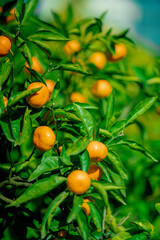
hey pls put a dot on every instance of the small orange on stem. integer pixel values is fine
(50, 85)
(78, 97)
(35, 66)
(95, 172)
(85, 206)
(5, 45)
(97, 151)
(101, 88)
(120, 52)
(78, 182)
(98, 59)
(39, 98)
(11, 17)
(43, 138)
(72, 47)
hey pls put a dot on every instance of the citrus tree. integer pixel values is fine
(63, 122)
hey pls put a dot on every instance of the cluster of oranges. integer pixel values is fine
(101, 88)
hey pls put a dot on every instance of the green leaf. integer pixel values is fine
(157, 205)
(77, 203)
(29, 7)
(43, 46)
(48, 164)
(7, 32)
(94, 27)
(118, 180)
(137, 147)
(111, 186)
(46, 223)
(78, 146)
(5, 70)
(85, 161)
(122, 34)
(96, 216)
(69, 14)
(56, 90)
(118, 197)
(6, 127)
(155, 80)
(140, 109)
(118, 126)
(39, 189)
(145, 225)
(47, 36)
(26, 53)
(27, 127)
(16, 126)
(17, 97)
(141, 236)
(70, 107)
(83, 224)
(70, 67)
(100, 189)
(87, 120)
(36, 75)
(110, 109)
(105, 133)
(2, 105)
(117, 164)
(19, 10)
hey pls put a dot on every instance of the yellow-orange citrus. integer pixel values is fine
(85, 206)
(95, 172)
(78, 182)
(50, 86)
(39, 98)
(5, 45)
(11, 17)
(43, 138)
(120, 52)
(101, 88)
(1, 9)
(99, 59)
(78, 97)
(97, 151)
(60, 149)
(35, 66)
(72, 47)
(63, 233)
(5, 102)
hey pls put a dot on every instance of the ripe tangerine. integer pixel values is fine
(97, 151)
(39, 98)
(43, 138)
(78, 182)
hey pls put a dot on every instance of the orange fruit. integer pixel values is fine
(77, 97)
(85, 206)
(39, 98)
(5, 45)
(95, 172)
(11, 17)
(78, 182)
(5, 102)
(120, 52)
(97, 151)
(1, 9)
(43, 138)
(99, 59)
(72, 47)
(60, 149)
(50, 86)
(35, 66)
(101, 88)
(63, 233)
